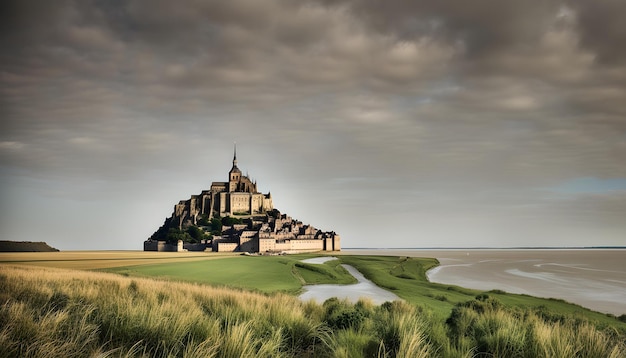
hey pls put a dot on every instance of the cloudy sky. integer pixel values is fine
(395, 123)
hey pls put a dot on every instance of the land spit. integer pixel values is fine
(593, 278)
(364, 288)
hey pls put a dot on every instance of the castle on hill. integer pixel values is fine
(235, 216)
(237, 196)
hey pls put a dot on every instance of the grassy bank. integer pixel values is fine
(55, 312)
(406, 277)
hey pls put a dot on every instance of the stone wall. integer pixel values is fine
(162, 246)
(225, 246)
(248, 244)
(196, 247)
(336, 243)
(306, 245)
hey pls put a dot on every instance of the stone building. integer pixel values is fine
(275, 233)
(264, 229)
(237, 196)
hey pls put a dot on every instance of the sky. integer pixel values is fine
(490, 123)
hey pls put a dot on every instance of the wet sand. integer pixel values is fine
(364, 288)
(593, 278)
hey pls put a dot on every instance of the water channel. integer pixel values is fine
(363, 288)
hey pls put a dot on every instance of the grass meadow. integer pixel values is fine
(149, 311)
(261, 273)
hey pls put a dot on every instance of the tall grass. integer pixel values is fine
(53, 312)
(75, 313)
(500, 332)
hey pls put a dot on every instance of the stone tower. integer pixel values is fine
(235, 174)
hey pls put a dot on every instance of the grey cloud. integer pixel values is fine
(602, 28)
(503, 94)
(484, 26)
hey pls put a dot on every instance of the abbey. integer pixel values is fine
(235, 216)
(237, 196)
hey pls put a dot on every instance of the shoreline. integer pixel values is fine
(592, 278)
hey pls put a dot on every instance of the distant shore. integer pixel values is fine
(25, 246)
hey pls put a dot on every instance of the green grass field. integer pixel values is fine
(329, 272)
(261, 273)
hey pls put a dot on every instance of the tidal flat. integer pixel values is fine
(593, 278)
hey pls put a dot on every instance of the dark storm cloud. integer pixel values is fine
(602, 28)
(483, 26)
(394, 63)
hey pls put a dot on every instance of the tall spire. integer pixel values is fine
(235, 156)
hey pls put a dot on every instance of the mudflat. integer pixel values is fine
(593, 278)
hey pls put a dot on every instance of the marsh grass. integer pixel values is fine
(497, 331)
(54, 312)
(76, 313)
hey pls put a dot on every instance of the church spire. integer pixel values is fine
(234, 176)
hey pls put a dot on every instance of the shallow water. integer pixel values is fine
(592, 278)
(318, 260)
(363, 289)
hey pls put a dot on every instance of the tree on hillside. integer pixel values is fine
(204, 220)
(197, 234)
(175, 234)
(216, 226)
(230, 221)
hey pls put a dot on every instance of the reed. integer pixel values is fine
(500, 332)
(353, 343)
